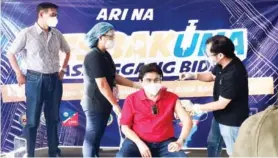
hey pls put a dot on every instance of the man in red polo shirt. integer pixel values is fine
(147, 117)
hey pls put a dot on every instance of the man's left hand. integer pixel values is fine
(175, 146)
(61, 74)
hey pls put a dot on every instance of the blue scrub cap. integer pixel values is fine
(98, 30)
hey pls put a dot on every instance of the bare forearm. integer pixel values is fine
(185, 120)
(13, 62)
(108, 94)
(66, 60)
(126, 82)
(205, 77)
(130, 134)
(186, 128)
(210, 107)
(123, 81)
(213, 106)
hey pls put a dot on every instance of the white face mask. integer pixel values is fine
(212, 62)
(52, 21)
(153, 88)
(109, 44)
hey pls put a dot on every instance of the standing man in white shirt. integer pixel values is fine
(43, 81)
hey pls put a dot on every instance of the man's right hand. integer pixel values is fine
(21, 79)
(144, 149)
(187, 76)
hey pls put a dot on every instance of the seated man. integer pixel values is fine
(147, 117)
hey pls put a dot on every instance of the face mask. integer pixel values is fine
(109, 44)
(212, 62)
(52, 21)
(153, 88)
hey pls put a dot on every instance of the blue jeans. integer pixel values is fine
(95, 128)
(42, 89)
(229, 134)
(219, 134)
(130, 149)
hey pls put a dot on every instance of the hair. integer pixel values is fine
(222, 44)
(46, 5)
(152, 67)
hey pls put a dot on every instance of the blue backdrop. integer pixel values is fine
(259, 17)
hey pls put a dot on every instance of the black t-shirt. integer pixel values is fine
(97, 64)
(231, 83)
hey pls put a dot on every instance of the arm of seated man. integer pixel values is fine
(186, 127)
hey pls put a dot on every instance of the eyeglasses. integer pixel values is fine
(154, 109)
(205, 52)
(109, 36)
(148, 80)
(210, 55)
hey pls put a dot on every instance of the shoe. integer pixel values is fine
(25, 155)
(58, 154)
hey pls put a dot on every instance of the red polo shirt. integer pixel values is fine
(137, 114)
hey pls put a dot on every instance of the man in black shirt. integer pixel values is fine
(230, 93)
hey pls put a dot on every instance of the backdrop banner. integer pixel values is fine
(171, 33)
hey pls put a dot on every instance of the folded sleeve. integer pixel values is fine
(127, 113)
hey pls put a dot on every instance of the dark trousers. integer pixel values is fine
(42, 89)
(130, 149)
(95, 128)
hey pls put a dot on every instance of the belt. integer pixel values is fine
(43, 74)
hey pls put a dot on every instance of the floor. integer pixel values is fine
(77, 152)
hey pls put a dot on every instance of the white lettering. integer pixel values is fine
(137, 14)
(124, 14)
(115, 14)
(148, 15)
(102, 14)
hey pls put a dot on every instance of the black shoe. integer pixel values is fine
(57, 154)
